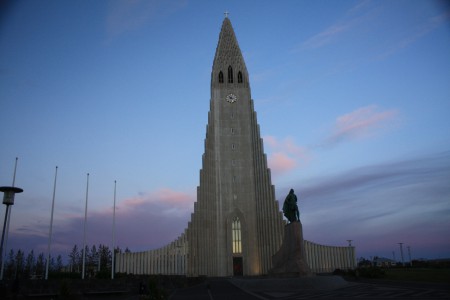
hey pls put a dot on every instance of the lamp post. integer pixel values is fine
(8, 199)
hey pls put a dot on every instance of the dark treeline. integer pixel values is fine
(98, 261)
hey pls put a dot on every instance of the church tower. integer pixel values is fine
(236, 225)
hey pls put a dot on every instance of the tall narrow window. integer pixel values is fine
(236, 233)
(220, 77)
(230, 74)
(239, 77)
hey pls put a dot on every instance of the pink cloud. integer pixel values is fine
(286, 154)
(361, 123)
(280, 163)
(164, 197)
(143, 222)
(174, 197)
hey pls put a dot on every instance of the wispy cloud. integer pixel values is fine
(360, 123)
(424, 29)
(401, 201)
(285, 155)
(327, 36)
(146, 221)
(352, 18)
(130, 15)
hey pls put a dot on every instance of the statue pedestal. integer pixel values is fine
(290, 260)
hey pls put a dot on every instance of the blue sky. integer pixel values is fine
(352, 98)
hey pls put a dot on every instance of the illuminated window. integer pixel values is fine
(236, 232)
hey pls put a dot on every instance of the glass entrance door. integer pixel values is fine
(237, 266)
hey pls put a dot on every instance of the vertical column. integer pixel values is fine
(323, 263)
(152, 262)
(146, 254)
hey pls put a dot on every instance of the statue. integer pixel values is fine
(290, 208)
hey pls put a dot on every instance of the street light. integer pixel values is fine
(8, 199)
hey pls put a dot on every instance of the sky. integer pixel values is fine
(352, 99)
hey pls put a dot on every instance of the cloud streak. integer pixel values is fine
(143, 222)
(360, 123)
(425, 28)
(403, 201)
(333, 32)
(125, 16)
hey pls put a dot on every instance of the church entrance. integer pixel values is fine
(237, 247)
(237, 266)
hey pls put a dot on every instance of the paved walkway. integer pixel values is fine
(214, 289)
(319, 287)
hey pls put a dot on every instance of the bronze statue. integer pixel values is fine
(290, 208)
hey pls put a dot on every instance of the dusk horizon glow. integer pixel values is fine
(352, 99)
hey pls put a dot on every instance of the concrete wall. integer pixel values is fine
(325, 259)
(168, 260)
(173, 259)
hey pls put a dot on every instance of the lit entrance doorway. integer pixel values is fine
(237, 266)
(237, 247)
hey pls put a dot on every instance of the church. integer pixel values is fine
(236, 226)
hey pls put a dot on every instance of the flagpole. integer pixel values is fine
(85, 219)
(51, 225)
(8, 212)
(113, 232)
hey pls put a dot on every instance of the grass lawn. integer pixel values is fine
(420, 274)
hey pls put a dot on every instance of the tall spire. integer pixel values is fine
(228, 52)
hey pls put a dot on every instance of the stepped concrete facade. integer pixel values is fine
(236, 226)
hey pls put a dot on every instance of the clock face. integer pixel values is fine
(231, 98)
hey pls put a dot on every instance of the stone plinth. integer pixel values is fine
(290, 259)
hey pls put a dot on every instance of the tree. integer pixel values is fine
(105, 257)
(59, 264)
(40, 264)
(29, 264)
(74, 259)
(19, 263)
(93, 256)
(10, 264)
(51, 265)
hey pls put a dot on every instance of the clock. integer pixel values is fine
(231, 98)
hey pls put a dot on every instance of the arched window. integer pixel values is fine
(220, 77)
(230, 74)
(236, 234)
(239, 77)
